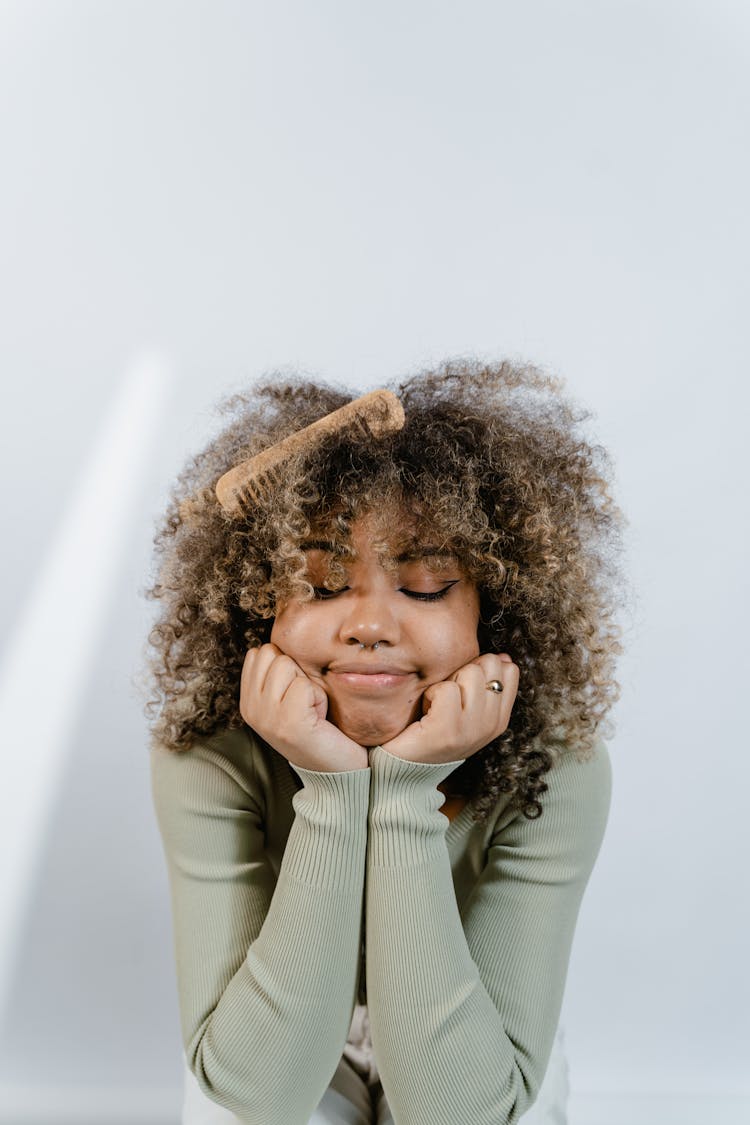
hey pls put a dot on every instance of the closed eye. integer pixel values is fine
(429, 597)
(323, 594)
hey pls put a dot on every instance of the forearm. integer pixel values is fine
(442, 1051)
(268, 1048)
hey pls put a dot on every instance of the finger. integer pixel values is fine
(281, 673)
(509, 680)
(489, 661)
(499, 666)
(301, 695)
(474, 678)
(259, 666)
(471, 679)
(249, 673)
(254, 670)
(441, 700)
(245, 680)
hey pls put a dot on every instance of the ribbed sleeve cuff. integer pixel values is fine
(332, 812)
(406, 826)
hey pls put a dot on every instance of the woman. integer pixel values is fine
(368, 683)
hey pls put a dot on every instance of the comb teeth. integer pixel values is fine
(254, 480)
(255, 490)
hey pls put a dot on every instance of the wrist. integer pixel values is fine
(406, 826)
(327, 759)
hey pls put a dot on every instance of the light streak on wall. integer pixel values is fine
(47, 659)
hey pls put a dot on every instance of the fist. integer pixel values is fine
(460, 715)
(289, 711)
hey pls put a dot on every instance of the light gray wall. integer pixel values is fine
(220, 188)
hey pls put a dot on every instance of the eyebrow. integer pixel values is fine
(406, 556)
(426, 553)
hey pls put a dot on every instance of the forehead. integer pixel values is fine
(391, 535)
(399, 553)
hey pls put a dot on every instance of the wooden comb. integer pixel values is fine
(372, 415)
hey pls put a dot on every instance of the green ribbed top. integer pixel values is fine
(467, 928)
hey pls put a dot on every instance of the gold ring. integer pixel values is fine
(494, 685)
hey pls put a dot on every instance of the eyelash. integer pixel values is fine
(322, 594)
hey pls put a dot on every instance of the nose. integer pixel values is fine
(369, 620)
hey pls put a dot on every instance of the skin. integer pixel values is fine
(300, 693)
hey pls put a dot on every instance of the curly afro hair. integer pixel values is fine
(492, 459)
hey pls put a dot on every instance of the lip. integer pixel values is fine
(371, 669)
(375, 677)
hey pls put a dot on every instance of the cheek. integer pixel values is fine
(283, 631)
(294, 632)
(453, 642)
(466, 627)
(463, 646)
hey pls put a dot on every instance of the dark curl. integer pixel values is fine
(493, 461)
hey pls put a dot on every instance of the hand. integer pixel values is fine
(460, 715)
(289, 711)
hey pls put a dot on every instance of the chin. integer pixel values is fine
(371, 730)
(371, 737)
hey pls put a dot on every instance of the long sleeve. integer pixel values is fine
(464, 1007)
(267, 975)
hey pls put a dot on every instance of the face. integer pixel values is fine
(424, 623)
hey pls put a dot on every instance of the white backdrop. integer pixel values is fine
(194, 193)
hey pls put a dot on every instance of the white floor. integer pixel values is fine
(162, 1107)
(657, 1109)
